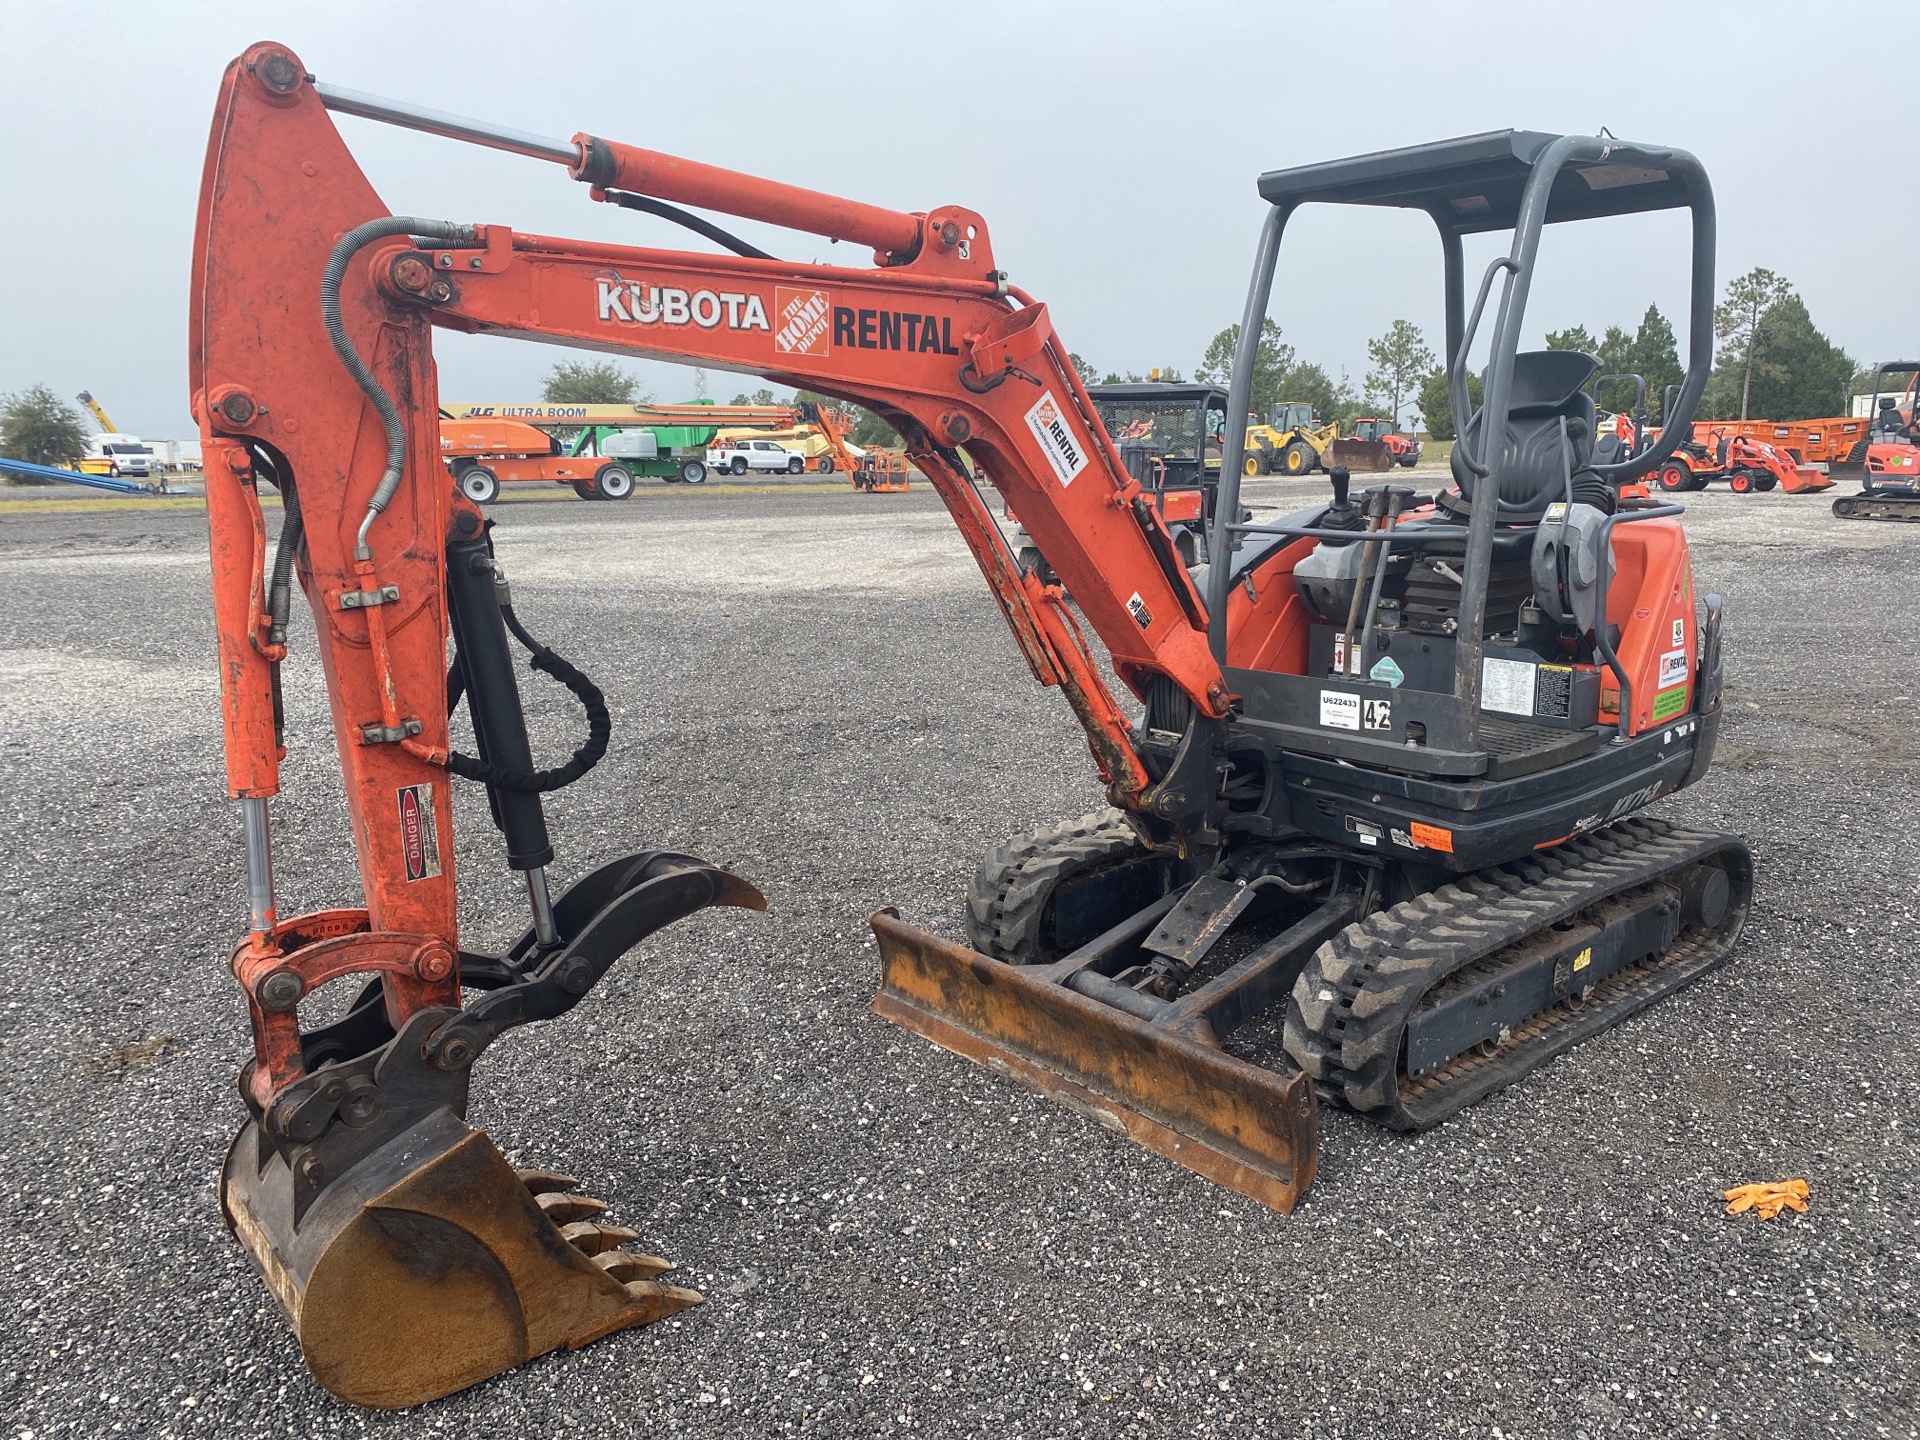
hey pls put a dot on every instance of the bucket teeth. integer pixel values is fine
(545, 1182)
(591, 1237)
(561, 1208)
(662, 1300)
(626, 1265)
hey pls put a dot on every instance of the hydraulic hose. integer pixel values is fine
(646, 204)
(599, 722)
(293, 531)
(342, 255)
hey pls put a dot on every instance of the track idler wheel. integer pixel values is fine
(433, 1264)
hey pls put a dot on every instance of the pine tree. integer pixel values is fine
(1399, 358)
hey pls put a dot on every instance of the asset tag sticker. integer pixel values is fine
(1367, 832)
(1387, 672)
(419, 834)
(1507, 685)
(1673, 668)
(1339, 710)
(1063, 449)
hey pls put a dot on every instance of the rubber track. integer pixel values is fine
(1008, 898)
(1877, 507)
(1351, 1004)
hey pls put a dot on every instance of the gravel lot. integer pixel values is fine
(815, 688)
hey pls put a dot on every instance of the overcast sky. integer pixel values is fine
(1112, 148)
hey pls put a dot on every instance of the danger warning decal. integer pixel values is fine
(419, 835)
(800, 319)
(1063, 449)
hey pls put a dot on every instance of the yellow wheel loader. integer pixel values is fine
(1292, 442)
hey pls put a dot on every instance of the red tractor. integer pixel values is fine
(1401, 449)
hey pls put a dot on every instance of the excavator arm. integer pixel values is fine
(312, 368)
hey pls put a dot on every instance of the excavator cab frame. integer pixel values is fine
(1176, 458)
(1359, 797)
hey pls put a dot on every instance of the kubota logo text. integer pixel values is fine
(642, 304)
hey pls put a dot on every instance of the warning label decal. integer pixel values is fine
(419, 834)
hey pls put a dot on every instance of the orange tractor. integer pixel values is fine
(1373, 784)
(1718, 451)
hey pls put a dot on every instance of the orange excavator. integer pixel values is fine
(1374, 786)
(1886, 461)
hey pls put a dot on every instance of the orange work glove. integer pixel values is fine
(1767, 1200)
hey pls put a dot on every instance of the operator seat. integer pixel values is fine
(1548, 388)
(1887, 425)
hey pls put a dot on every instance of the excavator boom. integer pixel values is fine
(355, 1178)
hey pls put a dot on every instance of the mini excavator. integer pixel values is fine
(1887, 461)
(1376, 816)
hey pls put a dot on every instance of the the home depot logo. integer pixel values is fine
(800, 319)
(1062, 447)
(419, 836)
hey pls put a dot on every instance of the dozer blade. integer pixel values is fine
(1252, 1130)
(1365, 456)
(432, 1264)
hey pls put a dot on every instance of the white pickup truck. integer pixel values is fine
(737, 457)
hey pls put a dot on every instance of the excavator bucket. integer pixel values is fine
(1361, 456)
(411, 1257)
(1158, 1082)
(433, 1264)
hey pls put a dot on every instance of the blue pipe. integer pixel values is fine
(74, 477)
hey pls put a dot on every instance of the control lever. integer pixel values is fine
(1343, 514)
